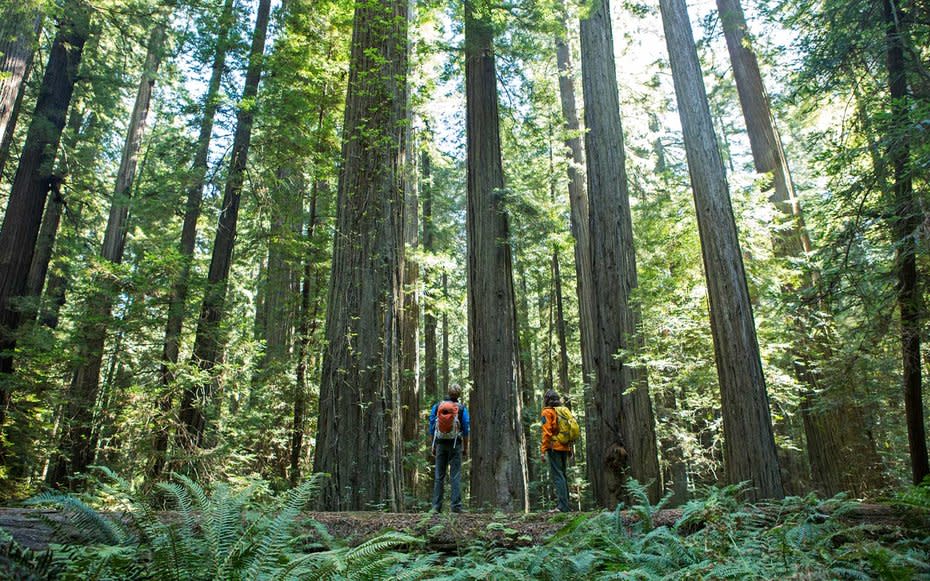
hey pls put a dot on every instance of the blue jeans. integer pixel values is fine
(558, 464)
(448, 455)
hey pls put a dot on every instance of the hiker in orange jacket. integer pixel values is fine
(556, 452)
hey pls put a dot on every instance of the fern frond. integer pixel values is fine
(85, 519)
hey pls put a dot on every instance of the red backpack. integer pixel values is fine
(447, 421)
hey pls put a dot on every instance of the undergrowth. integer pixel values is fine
(244, 533)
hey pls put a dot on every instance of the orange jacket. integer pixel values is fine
(550, 427)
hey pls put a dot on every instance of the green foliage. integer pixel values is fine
(226, 533)
(239, 533)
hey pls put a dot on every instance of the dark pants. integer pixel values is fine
(558, 464)
(448, 454)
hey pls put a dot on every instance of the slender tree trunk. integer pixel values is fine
(430, 362)
(198, 403)
(564, 386)
(905, 224)
(56, 287)
(19, 32)
(619, 409)
(178, 300)
(499, 473)
(767, 151)
(359, 440)
(54, 207)
(445, 336)
(30, 184)
(309, 312)
(749, 447)
(77, 446)
(282, 284)
(410, 322)
(578, 202)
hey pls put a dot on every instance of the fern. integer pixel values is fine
(83, 518)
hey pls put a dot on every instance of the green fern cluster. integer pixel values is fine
(716, 537)
(224, 534)
(229, 534)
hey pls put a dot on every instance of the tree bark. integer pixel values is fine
(197, 403)
(309, 315)
(764, 140)
(619, 409)
(564, 386)
(410, 319)
(749, 446)
(192, 207)
(499, 472)
(19, 33)
(77, 444)
(445, 336)
(54, 208)
(359, 441)
(430, 354)
(578, 201)
(905, 225)
(30, 184)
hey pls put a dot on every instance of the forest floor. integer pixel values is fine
(443, 532)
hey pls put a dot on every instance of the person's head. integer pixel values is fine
(551, 399)
(455, 392)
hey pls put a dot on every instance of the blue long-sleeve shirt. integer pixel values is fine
(463, 418)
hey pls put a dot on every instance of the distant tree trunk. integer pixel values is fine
(410, 321)
(767, 151)
(526, 357)
(77, 445)
(564, 386)
(198, 402)
(578, 201)
(309, 313)
(56, 287)
(499, 473)
(619, 409)
(906, 222)
(54, 208)
(44, 245)
(430, 356)
(359, 441)
(749, 447)
(30, 184)
(19, 32)
(445, 336)
(178, 299)
(282, 284)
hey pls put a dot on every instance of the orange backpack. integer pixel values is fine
(447, 421)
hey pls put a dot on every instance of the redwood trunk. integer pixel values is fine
(197, 404)
(178, 300)
(619, 409)
(578, 202)
(430, 355)
(499, 473)
(77, 443)
(359, 433)
(309, 313)
(905, 223)
(410, 321)
(749, 446)
(30, 184)
(19, 33)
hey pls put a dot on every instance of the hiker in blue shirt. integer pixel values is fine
(448, 432)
